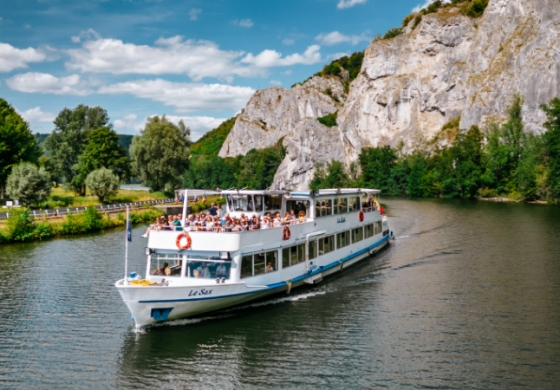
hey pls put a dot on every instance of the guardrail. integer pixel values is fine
(112, 208)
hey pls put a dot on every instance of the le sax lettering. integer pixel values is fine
(203, 291)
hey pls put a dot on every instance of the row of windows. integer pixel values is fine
(260, 263)
(337, 206)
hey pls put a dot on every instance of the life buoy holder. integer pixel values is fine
(180, 237)
(361, 216)
(286, 234)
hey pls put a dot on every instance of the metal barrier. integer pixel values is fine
(75, 210)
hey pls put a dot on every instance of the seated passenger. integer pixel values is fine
(255, 223)
(277, 220)
(287, 218)
(221, 271)
(265, 223)
(292, 215)
(203, 271)
(269, 267)
(228, 227)
(301, 216)
(165, 270)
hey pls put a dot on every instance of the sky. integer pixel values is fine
(199, 61)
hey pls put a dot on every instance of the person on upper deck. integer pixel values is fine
(213, 210)
(277, 221)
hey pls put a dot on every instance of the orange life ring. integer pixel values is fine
(361, 216)
(286, 234)
(180, 237)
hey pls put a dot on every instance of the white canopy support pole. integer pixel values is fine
(126, 248)
(185, 202)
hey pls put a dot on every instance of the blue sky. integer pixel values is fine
(193, 59)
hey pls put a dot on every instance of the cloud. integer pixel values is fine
(288, 41)
(271, 58)
(243, 23)
(36, 115)
(335, 37)
(336, 56)
(427, 3)
(185, 97)
(86, 35)
(193, 13)
(34, 82)
(12, 58)
(199, 125)
(197, 59)
(26, 25)
(342, 4)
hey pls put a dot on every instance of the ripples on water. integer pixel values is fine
(468, 295)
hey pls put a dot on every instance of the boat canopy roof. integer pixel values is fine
(329, 191)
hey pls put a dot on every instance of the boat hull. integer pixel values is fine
(153, 304)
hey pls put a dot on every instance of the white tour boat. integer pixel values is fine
(212, 270)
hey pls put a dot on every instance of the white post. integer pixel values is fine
(126, 248)
(185, 202)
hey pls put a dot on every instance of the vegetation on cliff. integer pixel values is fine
(500, 160)
(211, 143)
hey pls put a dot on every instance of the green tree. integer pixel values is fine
(17, 142)
(160, 154)
(376, 165)
(103, 150)
(70, 137)
(552, 147)
(335, 176)
(28, 184)
(102, 183)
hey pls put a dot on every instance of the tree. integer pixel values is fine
(70, 137)
(102, 183)
(376, 164)
(103, 150)
(160, 154)
(552, 147)
(17, 142)
(28, 184)
(335, 176)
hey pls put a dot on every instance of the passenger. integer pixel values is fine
(221, 271)
(228, 226)
(287, 218)
(277, 220)
(237, 226)
(203, 270)
(244, 222)
(269, 267)
(155, 226)
(163, 270)
(266, 223)
(292, 215)
(301, 216)
(213, 210)
(176, 223)
(256, 223)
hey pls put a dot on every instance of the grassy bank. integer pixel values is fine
(21, 226)
(61, 197)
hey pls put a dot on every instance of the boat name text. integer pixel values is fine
(203, 291)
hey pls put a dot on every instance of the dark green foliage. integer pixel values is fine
(392, 33)
(335, 176)
(125, 141)
(19, 226)
(376, 164)
(40, 138)
(351, 64)
(255, 170)
(476, 8)
(28, 184)
(552, 147)
(17, 142)
(329, 120)
(433, 7)
(211, 142)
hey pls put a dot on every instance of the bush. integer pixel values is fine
(20, 225)
(93, 219)
(43, 230)
(392, 33)
(28, 184)
(103, 183)
(476, 9)
(329, 120)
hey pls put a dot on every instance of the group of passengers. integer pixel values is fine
(211, 222)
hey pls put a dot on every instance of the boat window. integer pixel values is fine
(259, 263)
(342, 239)
(377, 227)
(272, 202)
(357, 234)
(323, 208)
(368, 230)
(240, 202)
(354, 203)
(312, 249)
(208, 269)
(341, 205)
(326, 245)
(259, 203)
(165, 264)
(293, 255)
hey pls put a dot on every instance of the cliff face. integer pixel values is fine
(410, 86)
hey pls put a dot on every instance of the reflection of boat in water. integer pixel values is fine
(199, 270)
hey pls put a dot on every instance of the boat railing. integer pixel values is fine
(223, 229)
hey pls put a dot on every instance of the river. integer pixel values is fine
(467, 295)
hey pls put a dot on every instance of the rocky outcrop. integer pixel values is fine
(448, 66)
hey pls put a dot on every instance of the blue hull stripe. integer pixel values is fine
(283, 284)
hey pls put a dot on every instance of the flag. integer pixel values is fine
(128, 231)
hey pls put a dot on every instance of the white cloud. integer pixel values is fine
(26, 25)
(12, 58)
(34, 82)
(427, 3)
(193, 13)
(270, 58)
(36, 115)
(185, 97)
(288, 72)
(86, 35)
(243, 23)
(288, 41)
(335, 37)
(197, 59)
(342, 4)
(336, 56)
(129, 122)
(276, 82)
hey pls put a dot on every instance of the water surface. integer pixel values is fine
(468, 295)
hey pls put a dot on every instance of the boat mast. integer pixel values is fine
(126, 239)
